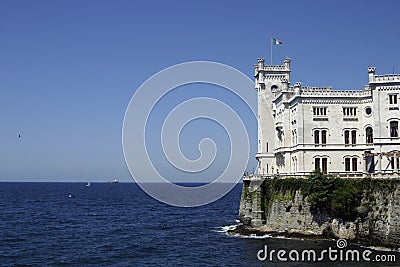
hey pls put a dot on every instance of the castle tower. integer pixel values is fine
(270, 80)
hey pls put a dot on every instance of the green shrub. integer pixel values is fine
(345, 200)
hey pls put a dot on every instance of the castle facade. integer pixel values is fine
(340, 132)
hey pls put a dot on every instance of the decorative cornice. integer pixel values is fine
(336, 101)
(388, 88)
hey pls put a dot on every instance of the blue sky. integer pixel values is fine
(68, 69)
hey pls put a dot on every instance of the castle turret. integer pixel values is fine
(297, 88)
(261, 63)
(371, 74)
(286, 62)
(271, 80)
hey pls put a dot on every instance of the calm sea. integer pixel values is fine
(119, 225)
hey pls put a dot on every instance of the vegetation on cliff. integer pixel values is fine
(340, 198)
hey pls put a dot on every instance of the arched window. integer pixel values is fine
(350, 164)
(347, 164)
(353, 137)
(323, 137)
(369, 135)
(317, 162)
(324, 165)
(354, 164)
(394, 129)
(321, 163)
(316, 137)
(347, 137)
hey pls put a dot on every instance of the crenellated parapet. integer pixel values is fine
(327, 91)
(275, 68)
(316, 88)
(387, 78)
(262, 67)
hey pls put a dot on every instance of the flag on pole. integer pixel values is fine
(276, 41)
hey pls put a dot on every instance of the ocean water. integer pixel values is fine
(119, 225)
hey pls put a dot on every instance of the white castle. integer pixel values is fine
(341, 132)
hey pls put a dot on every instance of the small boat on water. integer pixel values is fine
(113, 181)
(88, 184)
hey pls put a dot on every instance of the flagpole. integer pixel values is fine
(270, 43)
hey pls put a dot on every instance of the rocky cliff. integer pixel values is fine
(365, 210)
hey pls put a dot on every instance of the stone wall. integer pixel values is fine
(287, 210)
